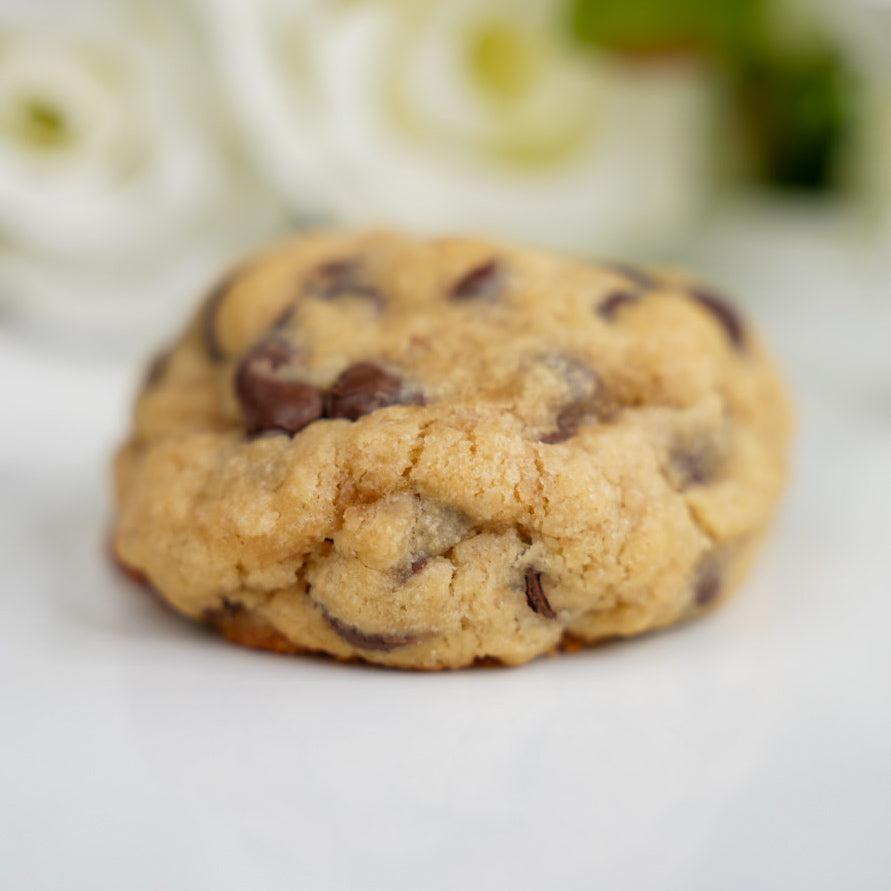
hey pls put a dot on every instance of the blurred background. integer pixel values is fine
(144, 143)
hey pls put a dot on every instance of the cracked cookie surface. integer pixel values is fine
(425, 454)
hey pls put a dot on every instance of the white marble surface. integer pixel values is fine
(751, 750)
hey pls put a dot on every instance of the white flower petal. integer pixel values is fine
(117, 171)
(265, 54)
(386, 120)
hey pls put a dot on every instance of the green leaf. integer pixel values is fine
(647, 26)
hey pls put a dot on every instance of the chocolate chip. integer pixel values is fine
(569, 419)
(709, 581)
(614, 302)
(483, 281)
(341, 278)
(622, 297)
(581, 381)
(634, 274)
(284, 317)
(723, 312)
(417, 565)
(362, 389)
(694, 463)
(333, 274)
(535, 595)
(270, 397)
(380, 642)
(211, 310)
(588, 404)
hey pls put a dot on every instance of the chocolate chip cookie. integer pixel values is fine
(424, 454)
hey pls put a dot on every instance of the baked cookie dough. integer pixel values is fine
(425, 454)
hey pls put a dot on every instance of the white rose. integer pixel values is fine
(117, 193)
(462, 115)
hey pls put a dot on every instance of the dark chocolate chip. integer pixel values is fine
(582, 399)
(581, 380)
(721, 309)
(211, 311)
(483, 281)
(614, 302)
(380, 642)
(590, 405)
(709, 581)
(270, 397)
(362, 389)
(334, 273)
(331, 277)
(535, 595)
(284, 317)
(416, 566)
(341, 278)
(634, 274)
(694, 463)
(569, 419)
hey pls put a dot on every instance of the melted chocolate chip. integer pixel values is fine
(362, 389)
(483, 281)
(417, 565)
(333, 275)
(723, 312)
(694, 463)
(581, 398)
(589, 405)
(341, 278)
(380, 642)
(614, 302)
(270, 398)
(284, 317)
(569, 419)
(580, 379)
(634, 274)
(709, 581)
(535, 595)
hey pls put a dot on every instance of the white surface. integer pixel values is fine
(750, 750)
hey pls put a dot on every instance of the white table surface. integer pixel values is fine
(749, 751)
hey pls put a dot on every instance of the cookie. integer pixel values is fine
(426, 454)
